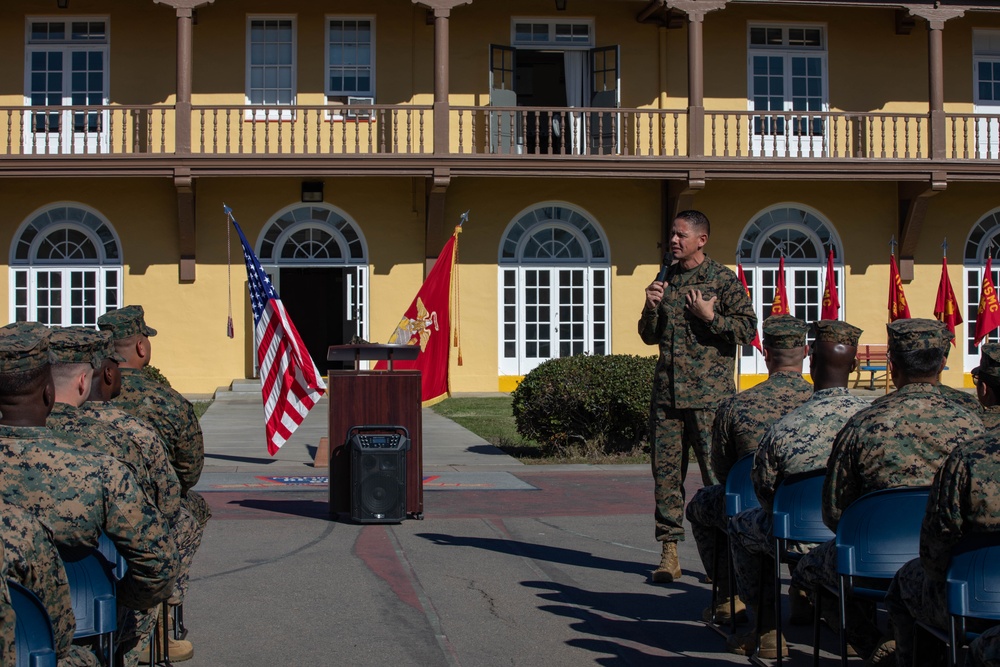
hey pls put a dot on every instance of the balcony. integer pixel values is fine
(492, 140)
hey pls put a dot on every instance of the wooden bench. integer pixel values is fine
(872, 359)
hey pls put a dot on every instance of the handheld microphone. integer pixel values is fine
(668, 259)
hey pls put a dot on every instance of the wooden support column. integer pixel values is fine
(936, 17)
(434, 237)
(184, 185)
(696, 10)
(442, 67)
(914, 200)
(678, 196)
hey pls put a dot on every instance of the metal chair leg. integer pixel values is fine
(818, 593)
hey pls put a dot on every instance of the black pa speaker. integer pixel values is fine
(378, 473)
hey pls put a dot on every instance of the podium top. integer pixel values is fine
(372, 352)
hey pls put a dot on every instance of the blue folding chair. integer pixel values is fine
(973, 590)
(877, 534)
(35, 642)
(796, 516)
(110, 552)
(740, 496)
(92, 589)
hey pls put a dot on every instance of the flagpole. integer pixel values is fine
(739, 348)
(892, 257)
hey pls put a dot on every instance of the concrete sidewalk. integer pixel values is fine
(512, 565)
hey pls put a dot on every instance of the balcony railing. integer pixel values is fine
(488, 132)
(378, 129)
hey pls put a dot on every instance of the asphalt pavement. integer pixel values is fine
(512, 564)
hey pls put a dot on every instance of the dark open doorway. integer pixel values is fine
(316, 300)
(541, 82)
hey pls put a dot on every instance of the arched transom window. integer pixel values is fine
(65, 267)
(983, 242)
(554, 287)
(803, 237)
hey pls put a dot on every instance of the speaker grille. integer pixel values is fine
(378, 485)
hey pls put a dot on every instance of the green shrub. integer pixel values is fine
(154, 372)
(587, 402)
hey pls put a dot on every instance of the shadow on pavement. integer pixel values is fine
(306, 509)
(539, 552)
(240, 459)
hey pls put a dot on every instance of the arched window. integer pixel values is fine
(554, 287)
(65, 267)
(983, 242)
(803, 237)
(318, 261)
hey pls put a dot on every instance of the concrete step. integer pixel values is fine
(239, 390)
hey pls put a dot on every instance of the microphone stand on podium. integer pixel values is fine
(369, 398)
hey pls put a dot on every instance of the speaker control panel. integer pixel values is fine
(379, 441)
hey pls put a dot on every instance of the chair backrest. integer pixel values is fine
(880, 531)
(35, 642)
(797, 510)
(740, 494)
(974, 577)
(92, 589)
(110, 552)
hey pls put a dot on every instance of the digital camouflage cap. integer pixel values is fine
(24, 346)
(912, 334)
(989, 361)
(81, 345)
(125, 323)
(784, 332)
(110, 351)
(836, 331)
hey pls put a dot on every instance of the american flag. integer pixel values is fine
(290, 382)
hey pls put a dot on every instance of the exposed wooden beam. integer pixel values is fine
(914, 200)
(186, 239)
(437, 189)
(678, 196)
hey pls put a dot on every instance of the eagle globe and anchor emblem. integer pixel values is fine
(416, 331)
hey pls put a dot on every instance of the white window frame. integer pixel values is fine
(67, 140)
(755, 268)
(987, 130)
(596, 273)
(25, 273)
(774, 144)
(987, 231)
(327, 65)
(552, 40)
(271, 111)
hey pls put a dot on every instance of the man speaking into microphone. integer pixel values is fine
(697, 311)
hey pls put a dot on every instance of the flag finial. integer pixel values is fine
(892, 245)
(463, 218)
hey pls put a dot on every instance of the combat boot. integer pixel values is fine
(178, 650)
(720, 614)
(745, 643)
(669, 568)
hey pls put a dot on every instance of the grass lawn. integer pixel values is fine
(200, 407)
(492, 419)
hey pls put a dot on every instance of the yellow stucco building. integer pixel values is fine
(349, 137)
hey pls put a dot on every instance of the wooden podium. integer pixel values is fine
(362, 398)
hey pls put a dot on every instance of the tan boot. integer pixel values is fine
(884, 655)
(178, 650)
(720, 614)
(669, 568)
(801, 609)
(745, 643)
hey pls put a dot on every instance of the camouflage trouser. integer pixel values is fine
(819, 567)
(984, 651)
(707, 514)
(673, 432)
(135, 629)
(189, 527)
(752, 540)
(78, 656)
(915, 597)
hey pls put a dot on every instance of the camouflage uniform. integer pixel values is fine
(984, 651)
(964, 499)
(34, 562)
(7, 620)
(693, 375)
(900, 440)
(739, 424)
(963, 398)
(173, 417)
(799, 442)
(990, 416)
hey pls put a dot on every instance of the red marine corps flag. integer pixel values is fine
(831, 301)
(743, 281)
(780, 304)
(898, 308)
(988, 317)
(946, 305)
(427, 323)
